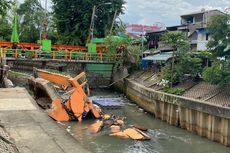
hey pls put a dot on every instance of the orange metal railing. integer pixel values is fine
(58, 55)
(34, 46)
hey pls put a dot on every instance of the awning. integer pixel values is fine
(163, 56)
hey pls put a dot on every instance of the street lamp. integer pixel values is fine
(92, 18)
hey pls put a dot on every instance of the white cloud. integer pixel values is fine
(166, 11)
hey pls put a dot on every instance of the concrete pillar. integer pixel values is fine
(182, 117)
(209, 126)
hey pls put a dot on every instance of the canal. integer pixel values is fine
(164, 138)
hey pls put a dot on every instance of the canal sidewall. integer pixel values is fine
(201, 118)
(98, 74)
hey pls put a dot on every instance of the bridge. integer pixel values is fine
(98, 66)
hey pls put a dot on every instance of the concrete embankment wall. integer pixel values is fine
(98, 74)
(204, 119)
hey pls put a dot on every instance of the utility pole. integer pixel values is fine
(91, 28)
(114, 18)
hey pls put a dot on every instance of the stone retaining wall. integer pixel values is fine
(204, 119)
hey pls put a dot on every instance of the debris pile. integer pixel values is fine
(67, 97)
(67, 100)
(116, 125)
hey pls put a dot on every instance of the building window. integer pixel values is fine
(190, 20)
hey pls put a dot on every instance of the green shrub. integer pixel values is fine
(217, 75)
(175, 91)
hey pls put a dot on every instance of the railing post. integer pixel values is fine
(1, 53)
(70, 55)
(35, 54)
(53, 55)
(4, 52)
(66, 54)
(86, 56)
(16, 53)
(100, 56)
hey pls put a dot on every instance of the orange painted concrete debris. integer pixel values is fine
(120, 135)
(96, 127)
(146, 137)
(77, 103)
(58, 112)
(133, 134)
(77, 106)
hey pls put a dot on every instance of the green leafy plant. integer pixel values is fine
(186, 65)
(218, 74)
(175, 91)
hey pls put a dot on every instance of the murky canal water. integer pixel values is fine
(164, 138)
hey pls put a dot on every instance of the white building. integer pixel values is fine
(196, 24)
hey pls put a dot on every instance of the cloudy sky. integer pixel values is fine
(164, 11)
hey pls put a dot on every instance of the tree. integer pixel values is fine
(180, 45)
(4, 5)
(31, 16)
(5, 32)
(219, 31)
(73, 18)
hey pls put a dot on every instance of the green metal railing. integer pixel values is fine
(58, 55)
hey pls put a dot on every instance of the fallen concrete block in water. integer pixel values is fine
(70, 103)
(120, 135)
(96, 127)
(132, 133)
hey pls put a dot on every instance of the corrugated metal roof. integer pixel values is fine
(163, 56)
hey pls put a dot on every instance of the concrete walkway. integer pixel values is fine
(30, 128)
